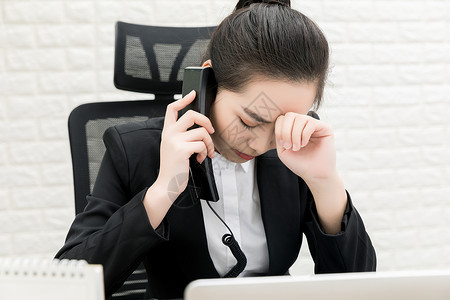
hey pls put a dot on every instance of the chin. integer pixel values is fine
(230, 155)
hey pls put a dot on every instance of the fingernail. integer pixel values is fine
(287, 145)
(190, 93)
(295, 147)
(280, 142)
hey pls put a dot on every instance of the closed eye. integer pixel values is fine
(246, 126)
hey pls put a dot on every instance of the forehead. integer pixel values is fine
(270, 98)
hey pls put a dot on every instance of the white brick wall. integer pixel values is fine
(387, 98)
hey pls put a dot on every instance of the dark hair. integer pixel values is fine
(268, 39)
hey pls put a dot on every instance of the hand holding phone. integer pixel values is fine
(178, 145)
(202, 80)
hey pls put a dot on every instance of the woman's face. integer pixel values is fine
(244, 122)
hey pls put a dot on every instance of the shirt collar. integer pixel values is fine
(246, 165)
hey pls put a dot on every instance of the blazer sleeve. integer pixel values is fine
(350, 250)
(114, 229)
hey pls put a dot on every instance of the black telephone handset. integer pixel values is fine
(201, 176)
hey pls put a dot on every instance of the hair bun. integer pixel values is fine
(245, 3)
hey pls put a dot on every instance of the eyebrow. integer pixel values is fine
(255, 116)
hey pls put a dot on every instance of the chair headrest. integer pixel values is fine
(151, 59)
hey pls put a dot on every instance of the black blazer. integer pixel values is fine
(114, 229)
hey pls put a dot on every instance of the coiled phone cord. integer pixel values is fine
(229, 241)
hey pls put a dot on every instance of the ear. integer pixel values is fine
(207, 63)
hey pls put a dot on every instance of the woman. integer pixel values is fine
(274, 168)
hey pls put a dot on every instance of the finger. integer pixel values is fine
(200, 134)
(197, 147)
(278, 129)
(192, 117)
(297, 130)
(286, 130)
(172, 109)
(308, 130)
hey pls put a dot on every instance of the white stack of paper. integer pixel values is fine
(38, 279)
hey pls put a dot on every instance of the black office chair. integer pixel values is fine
(148, 59)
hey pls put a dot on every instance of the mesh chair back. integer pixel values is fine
(148, 59)
(151, 59)
(87, 123)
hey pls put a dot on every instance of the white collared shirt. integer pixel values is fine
(239, 206)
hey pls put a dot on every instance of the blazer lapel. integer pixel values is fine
(189, 236)
(280, 210)
(281, 216)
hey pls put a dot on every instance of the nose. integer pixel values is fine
(263, 141)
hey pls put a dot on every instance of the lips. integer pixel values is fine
(244, 156)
